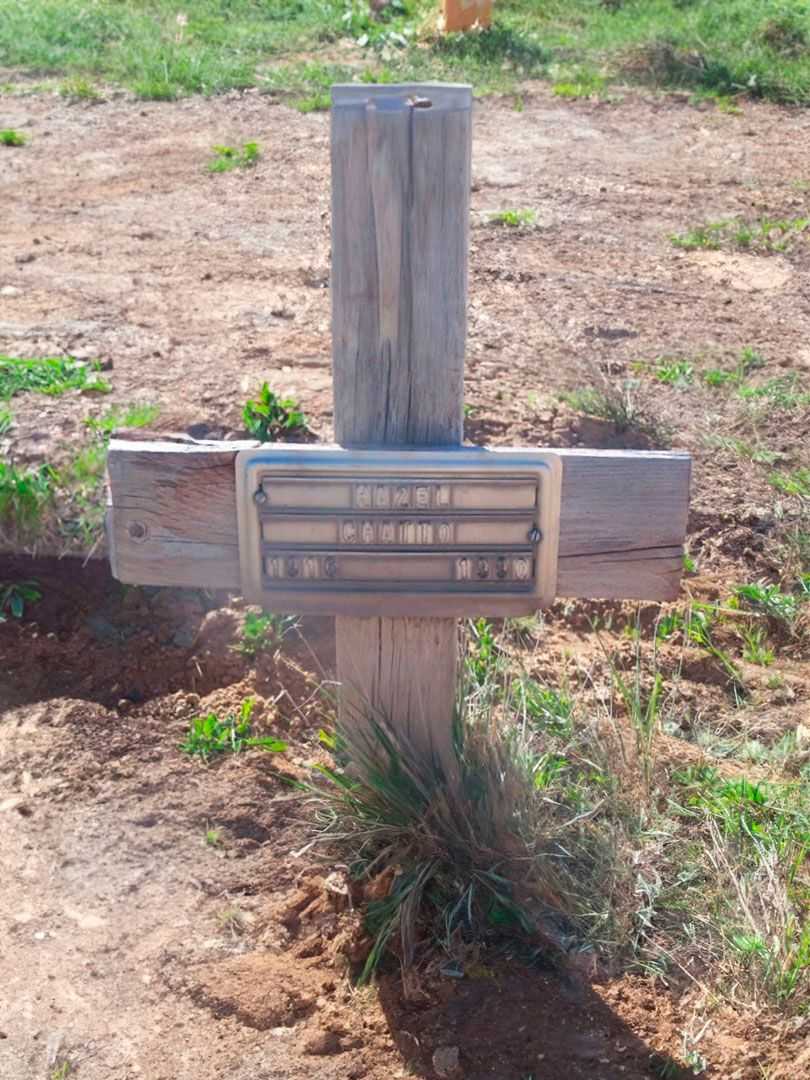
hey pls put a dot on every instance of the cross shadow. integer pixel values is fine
(519, 1023)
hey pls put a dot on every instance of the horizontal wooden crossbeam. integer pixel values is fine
(172, 518)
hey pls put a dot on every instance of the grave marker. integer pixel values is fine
(399, 530)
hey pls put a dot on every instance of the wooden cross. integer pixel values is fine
(399, 530)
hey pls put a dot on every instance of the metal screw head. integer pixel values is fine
(535, 536)
(259, 497)
(138, 531)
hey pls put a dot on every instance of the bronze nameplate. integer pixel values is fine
(406, 532)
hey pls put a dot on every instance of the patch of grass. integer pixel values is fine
(227, 158)
(677, 373)
(208, 735)
(131, 416)
(213, 837)
(769, 600)
(6, 420)
(263, 631)
(10, 137)
(14, 595)
(780, 392)
(269, 417)
(582, 83)
(49, 375)
(760, 237)
(78, 88)
(796, 483)
(723, 50)
(755, 646)
(320, 102)
(514, 219)
(25, 496)
(620, 403)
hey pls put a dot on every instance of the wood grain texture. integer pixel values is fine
(401, 178)
(400, 213)
(622, 521)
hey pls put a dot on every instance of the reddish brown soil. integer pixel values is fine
(131, 947)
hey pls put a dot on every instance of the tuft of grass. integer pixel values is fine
(25, 496)
(10, 137)
(760, 237)
(227, 158)
(263, 631)
(796, 483)
(14, 595)
(132, 416)
(213, 837)
(79, 88)
(514, 219)
(6, 420)
(755, 647)
(269, 417)
(208, 735)
(620, 403)
(318, 102)
(49, 375)
(677, 373)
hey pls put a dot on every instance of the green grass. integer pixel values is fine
(227, 158)
(6, 420)
(269, 417)
(24, 497)
(760, 237)
(514, 219)
(133, 416)
(796, 483)
(208, 735)
(49, 375)
(160, 51)
(263, 631)
(10, 137)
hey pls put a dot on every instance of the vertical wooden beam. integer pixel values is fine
(400, 223)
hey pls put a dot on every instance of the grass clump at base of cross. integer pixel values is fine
(555, 827)
(723, 50)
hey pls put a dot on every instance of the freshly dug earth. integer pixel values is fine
(134, 948)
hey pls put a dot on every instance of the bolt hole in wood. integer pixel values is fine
(398, 530)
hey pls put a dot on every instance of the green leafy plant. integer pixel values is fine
(270, 417)
(796, 483)
(24, 496)
(227, 158)
(678, 373)
(14, 595)
(262, 631)
(755, 646)
(50, 375)
(208, 735)
(514, 219)
(770, 600)
(10, 137)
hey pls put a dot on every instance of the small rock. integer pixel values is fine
(323, 1044)
(9, 290)
(445, 1060)
(124, 705)
(26, 257)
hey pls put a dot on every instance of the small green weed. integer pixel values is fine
(269, 417)
(545, 708)
(14, 595)
(583, 84)
(796, 483)
(620, 404)
(133, 416)
(10, 137)
(79, 88)
(781, 392)
(761, 236)
(208, 735)
(61, 1071)
(769, 600)
(24, 496)
(514, 219)
(6, 420)
(677, 373)
(755, 646)
(320, 102)
(50, 375)
(262, 631)
(483, 654)
(227, 158)
(213, 837)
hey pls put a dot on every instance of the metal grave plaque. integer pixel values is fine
(443, 532)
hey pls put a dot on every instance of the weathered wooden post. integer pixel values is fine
(400, 235)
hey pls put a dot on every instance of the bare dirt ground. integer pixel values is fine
(130, 947)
